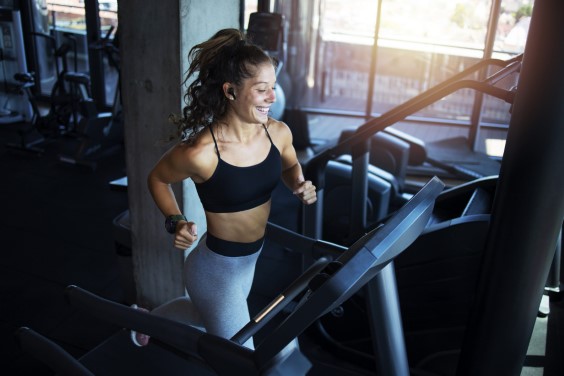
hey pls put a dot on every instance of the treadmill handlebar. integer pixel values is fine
(174, 333)
(301, 243)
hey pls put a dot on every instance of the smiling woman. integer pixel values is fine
(255, 95)
(235, 154)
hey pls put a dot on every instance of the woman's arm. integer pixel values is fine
(168, 170)
(173, 167)
(292, 174)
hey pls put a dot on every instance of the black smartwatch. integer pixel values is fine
(171, 221)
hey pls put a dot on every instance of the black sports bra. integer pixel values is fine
(232, 188)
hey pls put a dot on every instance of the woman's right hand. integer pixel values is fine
(186, 234)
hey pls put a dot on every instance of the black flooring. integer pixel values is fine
(55, 230)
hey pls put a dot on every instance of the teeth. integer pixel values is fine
(264, 110)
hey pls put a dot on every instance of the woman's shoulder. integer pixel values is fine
(196, 144)
(275, 123)
(194, 154)
(278, 128)
(280, 134)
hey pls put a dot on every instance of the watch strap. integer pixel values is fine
(177, 217)
(172, 220)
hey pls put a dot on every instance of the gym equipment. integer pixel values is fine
(337, 204)
(336, 275)
(28, 131)
(375, 155)
(436, 278)
(99, 133)
(110, 50)
(34, 131)
(67, 91)
(438, 275)
(439, 243)
(360, 142)
(388, 153)
(13, 60)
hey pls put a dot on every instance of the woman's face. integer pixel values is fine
(255, 96)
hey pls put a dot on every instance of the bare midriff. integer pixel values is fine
(244, 226)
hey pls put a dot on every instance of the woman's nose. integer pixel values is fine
(272, 95)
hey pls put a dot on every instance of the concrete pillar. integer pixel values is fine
(155, 38)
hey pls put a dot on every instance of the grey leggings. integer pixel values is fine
(218, 287)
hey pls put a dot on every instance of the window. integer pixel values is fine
(64, 25)
(250, 7)
(66, 14)
(419, 45)
(511, 35)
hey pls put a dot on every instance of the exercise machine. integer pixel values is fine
(472, 222)
(98, 134)
(28, 131)
(454, 236)
(68, 89)
(13, 108)
(439, 315)
(436, 279)
(337, 274)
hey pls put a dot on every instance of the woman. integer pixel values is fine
(235, 154)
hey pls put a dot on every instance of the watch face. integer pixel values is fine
(170, 225)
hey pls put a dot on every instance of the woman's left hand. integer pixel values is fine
(305, 191)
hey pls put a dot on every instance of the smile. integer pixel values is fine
(263, 110)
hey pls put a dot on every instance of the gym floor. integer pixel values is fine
(56, 230)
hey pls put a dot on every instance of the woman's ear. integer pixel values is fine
(229, 91)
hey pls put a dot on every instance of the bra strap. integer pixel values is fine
(268, 134)
(215, 142)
